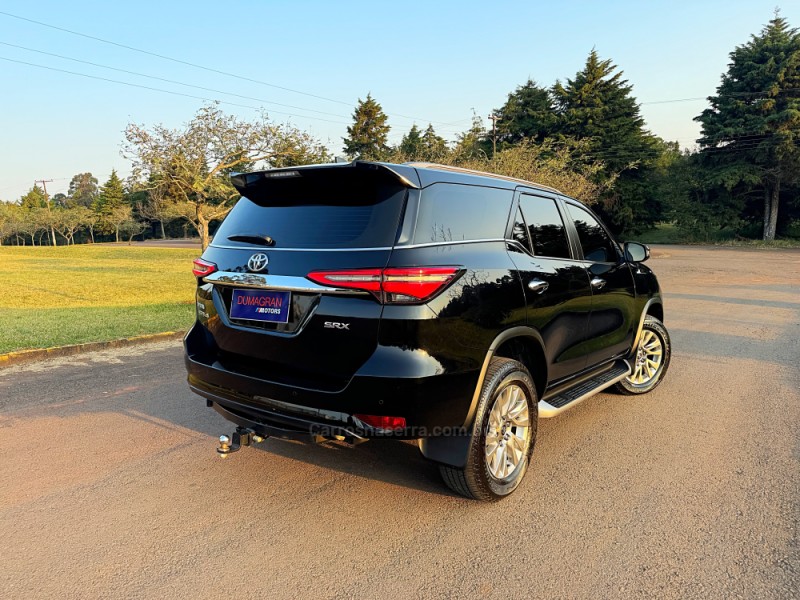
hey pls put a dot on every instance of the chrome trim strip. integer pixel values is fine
(275, 282)
(548, 411)
(384, 248)
(255, 246)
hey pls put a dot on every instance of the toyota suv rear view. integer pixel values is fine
(369, 300)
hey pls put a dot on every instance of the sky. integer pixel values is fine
(308, 63)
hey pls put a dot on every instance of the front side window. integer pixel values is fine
(545, 226)
(596, 243)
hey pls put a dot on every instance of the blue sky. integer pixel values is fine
(423, 61)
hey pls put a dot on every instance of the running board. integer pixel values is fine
(565, 400)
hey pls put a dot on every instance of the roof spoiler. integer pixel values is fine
(244, 182)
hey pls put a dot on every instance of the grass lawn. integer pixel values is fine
(74, 294)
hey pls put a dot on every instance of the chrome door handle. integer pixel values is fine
(598, 283)
(538, 286)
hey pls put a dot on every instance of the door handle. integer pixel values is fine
(598, 284)
(538, 286)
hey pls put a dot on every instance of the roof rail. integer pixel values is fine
(439, 167)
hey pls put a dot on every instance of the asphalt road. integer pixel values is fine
(110, 486)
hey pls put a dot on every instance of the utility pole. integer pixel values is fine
(494, 118)
(44, 183)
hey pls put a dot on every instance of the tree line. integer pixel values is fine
(584, 135)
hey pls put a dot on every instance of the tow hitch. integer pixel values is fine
(240, 437)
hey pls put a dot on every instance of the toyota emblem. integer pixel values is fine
(258, 262)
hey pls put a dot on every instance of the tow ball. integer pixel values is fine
(234, 442)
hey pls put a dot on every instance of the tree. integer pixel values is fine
(70, 220)
(597, 106)
(434, 147)
(83, 190)
(472, 143)
(750, 133)
(193, 164)
(366, 137)
(35, 198)
(411, 144)
(110, 205)
(528, 113)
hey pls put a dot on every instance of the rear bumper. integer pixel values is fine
(432, 405)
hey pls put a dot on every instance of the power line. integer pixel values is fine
(197, 66)
(166, 80)
(154, 89)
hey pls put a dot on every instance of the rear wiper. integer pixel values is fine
(252, 238)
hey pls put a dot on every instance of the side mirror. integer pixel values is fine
(636, 252)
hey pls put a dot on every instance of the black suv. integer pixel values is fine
(417, 301)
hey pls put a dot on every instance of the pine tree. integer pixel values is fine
(597, 105)
(411, 144)
(527, 114)
(110, 204)
(366, 138)
(752, 130)
(434, 147)
(111, 194)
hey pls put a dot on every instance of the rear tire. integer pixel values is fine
(650, 361)
(503, 435)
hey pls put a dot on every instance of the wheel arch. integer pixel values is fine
(654, 307)
(524, 344)
(520, 343)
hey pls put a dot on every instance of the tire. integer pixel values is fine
(646, 376)
(508, 393)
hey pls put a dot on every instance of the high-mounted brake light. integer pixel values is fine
(395, 285)
(203, 267)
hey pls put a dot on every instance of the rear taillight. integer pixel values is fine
(395, 285)
(202, 267)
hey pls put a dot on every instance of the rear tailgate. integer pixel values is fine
(331, 218)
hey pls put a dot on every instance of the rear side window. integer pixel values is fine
(451, 212)
(340, 214)
(596, 243)
(545, 226)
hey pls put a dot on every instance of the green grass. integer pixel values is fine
(70, 295)
(668, 233)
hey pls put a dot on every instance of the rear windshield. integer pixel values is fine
(352, 213)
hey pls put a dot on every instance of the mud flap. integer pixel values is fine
(450, 450)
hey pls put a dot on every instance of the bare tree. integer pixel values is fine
(194, 163)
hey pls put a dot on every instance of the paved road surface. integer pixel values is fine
(110, 487)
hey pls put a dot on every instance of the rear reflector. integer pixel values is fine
(393, 285)
(203, 268)
(381, 422)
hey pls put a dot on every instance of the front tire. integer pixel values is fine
(503, 435)
(651, 359)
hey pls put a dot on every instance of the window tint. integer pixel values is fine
(545, 227)
(520, 231)
(597, 245)
(450, 212)
(352, 216)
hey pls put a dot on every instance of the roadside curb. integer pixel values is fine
(23, 356)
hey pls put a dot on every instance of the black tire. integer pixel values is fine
(476, 480)
(627, 386)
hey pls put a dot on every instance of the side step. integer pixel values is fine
(573, 396)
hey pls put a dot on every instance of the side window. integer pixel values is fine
(520, 231)
(597, 245)
(545, 227)
(450, 213)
